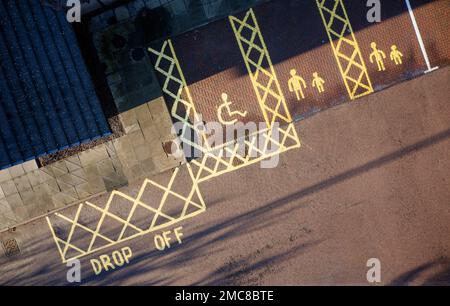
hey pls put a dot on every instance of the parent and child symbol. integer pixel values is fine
(378, 56)
(297, 84)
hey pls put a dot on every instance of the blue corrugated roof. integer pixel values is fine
(47, 100)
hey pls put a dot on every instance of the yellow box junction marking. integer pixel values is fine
(351, 66)
(215, 161)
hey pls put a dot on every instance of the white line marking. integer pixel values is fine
(419, 38)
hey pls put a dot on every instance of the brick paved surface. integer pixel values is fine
(296, 39)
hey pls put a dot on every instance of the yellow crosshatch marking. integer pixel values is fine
(214, 162)
(183, 110)
(264, 79)
(64, 245)
(227, 159)
(351, 63)
(318, 82)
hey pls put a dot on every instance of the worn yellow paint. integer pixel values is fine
(351, 66)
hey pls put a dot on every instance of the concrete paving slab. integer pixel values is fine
(4, 175)
(9, 188)
(16, 171)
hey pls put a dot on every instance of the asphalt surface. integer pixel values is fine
(370, 181)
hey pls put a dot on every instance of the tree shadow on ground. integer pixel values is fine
(245, 269)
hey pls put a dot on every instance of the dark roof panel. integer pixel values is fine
(47, 99)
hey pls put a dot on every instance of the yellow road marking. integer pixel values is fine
(255, 68)
(224, 154)
(352, 67)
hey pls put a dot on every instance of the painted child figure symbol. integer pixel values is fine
(396, 55)
(318, 82)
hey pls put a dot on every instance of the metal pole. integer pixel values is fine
(419, 38)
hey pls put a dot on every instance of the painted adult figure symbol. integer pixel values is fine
(378, 56)
(227, 105)
(296, 84)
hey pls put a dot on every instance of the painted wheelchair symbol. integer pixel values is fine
(227, 106)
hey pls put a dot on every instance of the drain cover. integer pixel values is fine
(11, 247)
